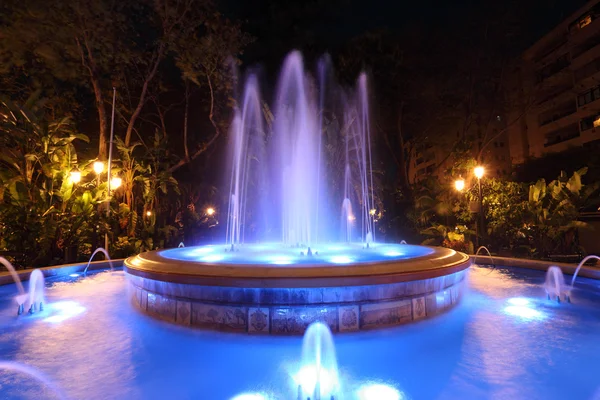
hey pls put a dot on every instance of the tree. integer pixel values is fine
(208, 56)
(75, 41)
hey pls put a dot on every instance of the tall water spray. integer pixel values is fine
(280, 175)
(318, 376)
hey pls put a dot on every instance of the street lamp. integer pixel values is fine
(479, 172)
(372, 211)
(98, 167)
(210, 211)
(75, 175)
(459, 184)
(115, 182)
(148, 213)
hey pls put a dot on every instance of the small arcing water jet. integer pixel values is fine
(98, 250)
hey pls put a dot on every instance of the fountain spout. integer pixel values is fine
(98, 250)
(555, 284)
(590, 257)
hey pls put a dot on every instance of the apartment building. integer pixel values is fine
(557, 89)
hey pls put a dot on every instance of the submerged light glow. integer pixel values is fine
(378, 391)
(341, 260)
(307, 378)
(63, 310)
(212, 258)
(519, 301)
(251, 396)
(523, 308)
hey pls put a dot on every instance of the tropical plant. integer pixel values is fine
(552, 212)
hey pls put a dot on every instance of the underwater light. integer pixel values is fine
(281, 260)
(63, 310)
(307, 379)
(378, 391)
(523, 312)
(212, 258)
(519, 301)
(392, 253)
(340, 260)
(202, 250)
(251, 396)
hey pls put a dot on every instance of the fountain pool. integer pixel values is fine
(505, 340)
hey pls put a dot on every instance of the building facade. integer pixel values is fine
(556, 89)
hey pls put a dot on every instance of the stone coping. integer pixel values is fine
(152, 265)
(540, 265)
(59, 270)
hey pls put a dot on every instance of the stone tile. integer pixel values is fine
(298, 296)
(219, 317)
(382, 314)
(184, 313)
(162, 307)
(143, 299)
(296, 320)
(331, 295)
(431, 304)
(136, 295)
(418, 308)
(258, 320)
(348, 318)
(315, 296)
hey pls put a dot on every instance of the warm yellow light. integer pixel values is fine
(372, 211)
(459, 184)
(98, 167)
(479, 171)
(148, 213)
(115, 183)
(210, 211)
(75, 175)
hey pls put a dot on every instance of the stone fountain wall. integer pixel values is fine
(291, 310)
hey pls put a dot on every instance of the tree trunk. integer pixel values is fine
(142, 99)
(185, 121)
(103, 123)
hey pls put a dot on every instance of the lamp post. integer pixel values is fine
(108, 177)
(479, 172)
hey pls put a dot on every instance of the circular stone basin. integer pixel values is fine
(277, 289)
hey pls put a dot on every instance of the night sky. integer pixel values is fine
(317, 26)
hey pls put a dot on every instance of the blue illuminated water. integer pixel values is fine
(504, 341)
(279, 254)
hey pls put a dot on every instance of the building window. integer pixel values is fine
(561, 63)
(589, 96)
(557, 113)
(562, 135)
(588, 69)
(588, 123)
(585, 21)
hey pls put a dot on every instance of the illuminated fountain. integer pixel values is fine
(555, 285)
(287, 260)
(318, 375)
(107, 257)
(34, 299)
